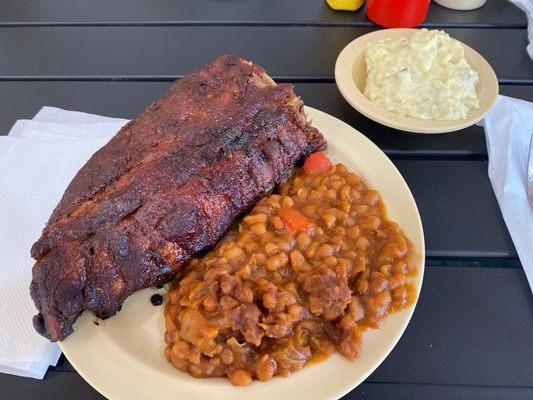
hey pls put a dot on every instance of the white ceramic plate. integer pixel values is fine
(350, 75)
(123, 357)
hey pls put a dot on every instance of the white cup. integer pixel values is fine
(461, 4)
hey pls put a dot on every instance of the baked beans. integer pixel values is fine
(301, 276)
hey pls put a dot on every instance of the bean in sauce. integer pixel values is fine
(300, 277)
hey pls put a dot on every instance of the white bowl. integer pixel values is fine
(350, 75)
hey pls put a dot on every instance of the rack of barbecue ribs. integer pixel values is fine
(165, 188)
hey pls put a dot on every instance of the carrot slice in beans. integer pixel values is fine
(294, 219)
(316, 163)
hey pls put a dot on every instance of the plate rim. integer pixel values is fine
(341, 391)
(351, 93)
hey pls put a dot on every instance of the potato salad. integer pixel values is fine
(424, 76)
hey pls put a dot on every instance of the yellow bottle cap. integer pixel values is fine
(347, 5)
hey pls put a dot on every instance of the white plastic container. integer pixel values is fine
(461, 4)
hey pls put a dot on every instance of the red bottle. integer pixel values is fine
(397, 13)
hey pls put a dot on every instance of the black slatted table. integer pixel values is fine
(472, 334)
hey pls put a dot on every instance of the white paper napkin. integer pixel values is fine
(508, 129)
(527, 7)
(37, 161)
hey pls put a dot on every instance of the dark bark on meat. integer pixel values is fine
(165, 188)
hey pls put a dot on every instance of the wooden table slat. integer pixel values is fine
(58, 385)
(166, 52)
(107, 98)
(398, 391)
(496, 13)
(459, 211)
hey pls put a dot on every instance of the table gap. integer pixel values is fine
(473, 262)
(355, 24)
(445, 385)
(172, 78)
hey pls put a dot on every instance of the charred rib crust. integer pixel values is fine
(165, 188)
